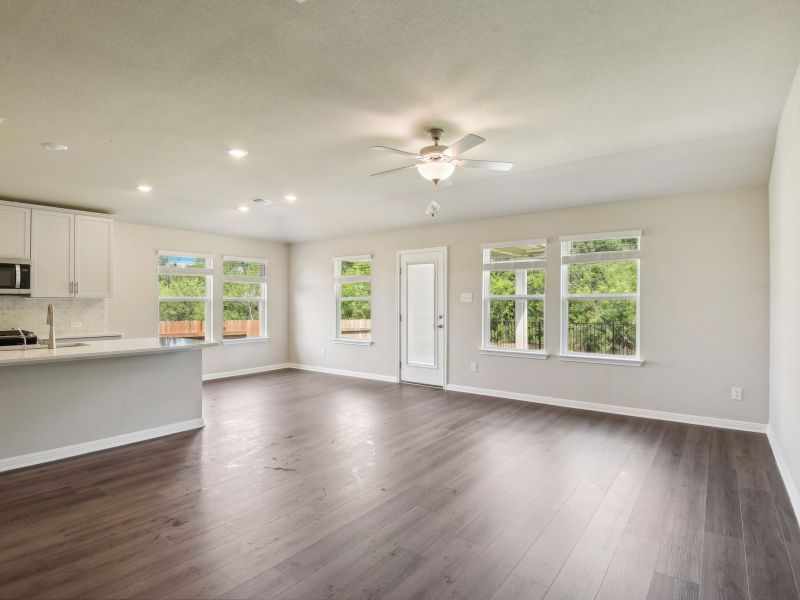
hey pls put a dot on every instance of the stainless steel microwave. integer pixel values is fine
(15, 276)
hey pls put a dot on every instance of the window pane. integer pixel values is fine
(349, 268)
(185, 262)
(502, 324)
(603, 245)
(241, 290)
(602, 327)
(535, 282)
(501, 283)
(512, 253)
(535, 325)
(241, 319)
(190, 286)
(240, 267)
(356, 319)
(619, 277)
(351, 290)
(182, 320)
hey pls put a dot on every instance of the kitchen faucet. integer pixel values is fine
(51, 321)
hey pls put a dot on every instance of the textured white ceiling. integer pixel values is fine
(592, 101)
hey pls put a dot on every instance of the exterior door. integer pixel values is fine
(423, 316)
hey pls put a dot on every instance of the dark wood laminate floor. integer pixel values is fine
(306, 486)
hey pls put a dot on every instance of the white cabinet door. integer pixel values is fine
(93, 258)
(52, 254)
(15, 232)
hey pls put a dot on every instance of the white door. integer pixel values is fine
(52, 254)
(93, 257)
(15, 232)
(423, 317)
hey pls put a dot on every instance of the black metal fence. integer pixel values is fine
(596, 338)
(602, 338)
(503, 333)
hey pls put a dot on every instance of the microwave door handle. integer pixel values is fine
(19, 276)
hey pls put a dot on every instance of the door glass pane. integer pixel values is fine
(502, 324)
(421, 314)
(602, 327)
(356, 290)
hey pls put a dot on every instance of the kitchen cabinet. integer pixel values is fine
(71, 255)
(15, 232)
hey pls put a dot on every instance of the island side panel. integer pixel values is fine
(48, 407)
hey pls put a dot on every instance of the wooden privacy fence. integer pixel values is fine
(197, 329)
(356, 328)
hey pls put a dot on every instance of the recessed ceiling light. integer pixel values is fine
(144, 188)
(54, 147)
(290, 197)
(244, 208)
(237, 152)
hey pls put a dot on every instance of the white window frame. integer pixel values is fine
(262, 299)
(595, 257)
(338, 280)
(521, 298)
(207, 272)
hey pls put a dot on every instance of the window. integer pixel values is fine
(600, 294)
(513, 296)
(244, 294)
(184, 295)
(353, 293)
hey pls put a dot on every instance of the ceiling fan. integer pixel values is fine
(436, 163)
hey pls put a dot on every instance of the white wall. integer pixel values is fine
(134, 307)
(704, 305)
(784, 232)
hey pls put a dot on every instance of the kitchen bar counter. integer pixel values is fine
(99, 349)
(83, 398)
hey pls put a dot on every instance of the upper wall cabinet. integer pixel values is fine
(71, 255)
(15, 232)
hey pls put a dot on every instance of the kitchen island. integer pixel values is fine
(95, 395)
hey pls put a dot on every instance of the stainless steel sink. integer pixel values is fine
(70, 344)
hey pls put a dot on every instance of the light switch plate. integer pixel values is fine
(75, 324)
(466, 296)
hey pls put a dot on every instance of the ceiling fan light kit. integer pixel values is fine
(437, 163)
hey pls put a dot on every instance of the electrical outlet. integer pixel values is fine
(473, 366)
(75, 324)
(322, 351)
(736, 393)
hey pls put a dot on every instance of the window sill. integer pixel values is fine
(248, 340)
(604, 360)
(353, 342)
(515, 353)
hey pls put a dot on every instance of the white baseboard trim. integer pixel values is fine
(360, 375)
(615, 409)
(250, 371)
(36, 458)
(783, 468)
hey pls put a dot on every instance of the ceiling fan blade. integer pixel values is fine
(395, 151)
(464, 144)
(392, 170)
(492, 165)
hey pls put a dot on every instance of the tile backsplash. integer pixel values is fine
(31, 314)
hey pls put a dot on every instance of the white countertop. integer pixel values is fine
(100, 349)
